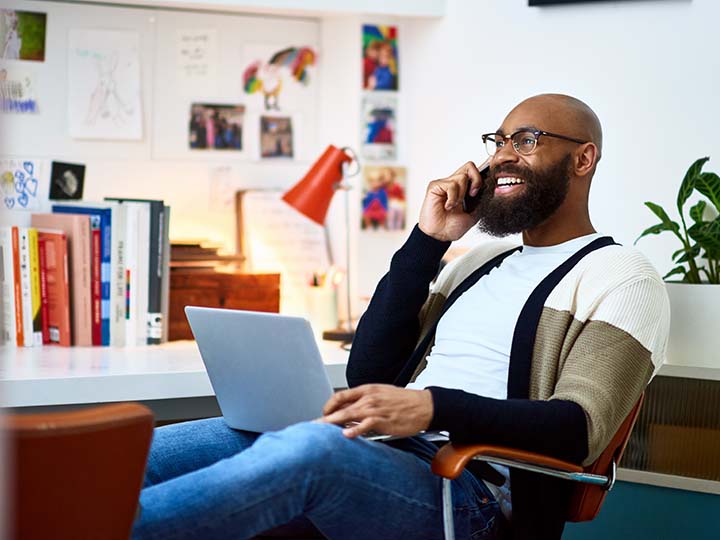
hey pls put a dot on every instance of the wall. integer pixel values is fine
(160, 165)
(648, 68)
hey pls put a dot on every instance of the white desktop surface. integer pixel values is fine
(50, 375)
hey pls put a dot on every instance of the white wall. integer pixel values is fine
(650, 69)
(160, 165)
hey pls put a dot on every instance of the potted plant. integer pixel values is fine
(695, 297)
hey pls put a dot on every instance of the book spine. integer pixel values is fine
(27, 313)
(166, 277)
(118, 287)
(36, 301)
(96, 283)
(8, 287)
(65, 324)
(106, 255)
(44, 305)
(154, 316)
(17, 288)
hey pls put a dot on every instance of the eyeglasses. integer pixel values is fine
(524, 142)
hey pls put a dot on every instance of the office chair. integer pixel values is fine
(77, 475)
(594, 481)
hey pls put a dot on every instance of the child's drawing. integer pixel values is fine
(266, 77)
(104, 94)
(20, 184)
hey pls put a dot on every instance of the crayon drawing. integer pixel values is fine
(104, 85)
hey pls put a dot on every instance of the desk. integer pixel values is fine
(169, 378)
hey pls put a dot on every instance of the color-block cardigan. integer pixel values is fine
(602, 334)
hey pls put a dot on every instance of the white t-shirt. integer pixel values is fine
(474, 337)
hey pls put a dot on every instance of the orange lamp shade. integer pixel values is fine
(311, 196)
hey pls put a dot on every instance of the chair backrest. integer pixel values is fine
(77, 475)
(587, 498)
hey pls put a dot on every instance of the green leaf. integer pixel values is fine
(688, 183)
(655, 229)
(707, 234)
(709, 185)
(676, 270)
(696, 212)
(658, 210)
(687, 255)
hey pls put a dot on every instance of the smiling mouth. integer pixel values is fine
(507, 184)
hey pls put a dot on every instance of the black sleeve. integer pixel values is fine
(388, 331)
(556, 427)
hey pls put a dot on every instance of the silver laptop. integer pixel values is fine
(266, 369)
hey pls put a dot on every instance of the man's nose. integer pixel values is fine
(506, 154)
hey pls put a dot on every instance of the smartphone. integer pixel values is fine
(470, 203)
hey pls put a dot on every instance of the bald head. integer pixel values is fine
(564, 114)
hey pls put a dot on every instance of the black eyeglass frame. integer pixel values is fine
(537, 133)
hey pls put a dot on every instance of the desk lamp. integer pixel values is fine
(311, 197)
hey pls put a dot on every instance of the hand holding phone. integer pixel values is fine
(470, 203)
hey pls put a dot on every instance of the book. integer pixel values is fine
(44, 306)
(165, 284)
(25, 293)
(101, 227)
(7, 285)
(158, 226)
(17, 289)
(77, 229)
(137, 255)
(36, 301)
(55, 280)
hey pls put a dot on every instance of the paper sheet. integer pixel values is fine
(197, 59)
(23, 184)
(277, 238)
(104, 84)
(17, 89)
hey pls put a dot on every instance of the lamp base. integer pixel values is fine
(339, 334)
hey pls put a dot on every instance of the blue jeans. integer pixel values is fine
(207, 481)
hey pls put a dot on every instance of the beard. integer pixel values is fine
(544, 192)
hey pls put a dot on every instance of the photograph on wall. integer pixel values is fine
(17, 90)
(216, 126)
(379, 127)
(383, 198)
(67, 181)
(22, 35)
(276, 137)
(104, 99)
(23, 186)
(275, 71)
(380, 57)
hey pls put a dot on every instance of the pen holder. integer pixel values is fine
(322, 310)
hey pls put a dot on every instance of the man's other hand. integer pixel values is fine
(383, 408)
(442, 215)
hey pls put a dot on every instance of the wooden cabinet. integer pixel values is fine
(255, 292)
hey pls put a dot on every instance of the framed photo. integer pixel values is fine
(22, 35)
(216, 127)
(380, 57)
(276, 137)
(379, 135)
(383, 199)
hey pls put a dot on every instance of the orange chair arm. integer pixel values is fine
(451, 459)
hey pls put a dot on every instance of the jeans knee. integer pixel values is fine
(313, 444)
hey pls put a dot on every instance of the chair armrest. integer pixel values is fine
(451, 459)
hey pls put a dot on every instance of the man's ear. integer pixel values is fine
(586, 158)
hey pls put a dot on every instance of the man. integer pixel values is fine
(546, 348)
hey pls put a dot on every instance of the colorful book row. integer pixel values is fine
(87, 274)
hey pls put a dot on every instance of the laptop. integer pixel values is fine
(266, 369)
